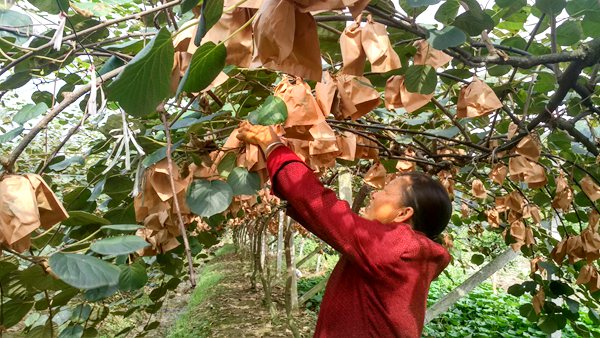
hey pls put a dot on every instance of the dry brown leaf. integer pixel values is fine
(476, 99)
(514, 201)
(498, 173)
(397, 96)
(593, 218)
(427, 55)
(575, 249)
(564, 194)
(353, 54)
(538, 301)
(375, 177)
(534, 265)
(286, 39)
(302, 108)
(591, 189)
(529, 147)
(536, 176)
(447, 181)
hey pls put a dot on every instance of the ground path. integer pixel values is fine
(224, 305)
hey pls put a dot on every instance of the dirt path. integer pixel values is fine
(230, 308)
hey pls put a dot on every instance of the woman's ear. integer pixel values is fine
(404, 215)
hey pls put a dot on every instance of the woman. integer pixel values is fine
(388, 258)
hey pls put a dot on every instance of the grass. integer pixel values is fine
(188, 325)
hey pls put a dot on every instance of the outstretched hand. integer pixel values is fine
(257, 134)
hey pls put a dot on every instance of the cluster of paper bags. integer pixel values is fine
(26, 204)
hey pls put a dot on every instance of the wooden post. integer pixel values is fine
(472, 282)
(291, 287)
(280, 241)
(318, 267)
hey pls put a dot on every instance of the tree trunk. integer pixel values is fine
(291, 288)
(280, 242)
(472, 282)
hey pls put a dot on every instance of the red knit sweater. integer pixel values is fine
(379, 286)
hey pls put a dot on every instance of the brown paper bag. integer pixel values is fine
(347, 144)
(326, 94)
(302, 108)
(477, 99)
(375, 177)
(427, 55)
(397, 96)
(378, 48)
(361, 94)
(353, 54)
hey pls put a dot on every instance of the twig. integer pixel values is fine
(186, 244)
(70, 98)
(452, 119)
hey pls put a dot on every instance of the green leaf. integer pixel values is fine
(591, 24)
(83, 218)
(420, 3)
(133, 277)
(120, 245)
(16, 80)
(448, 37)
(569, 33)
(159, 155)
(206, 64)
(560, 289)
(14, 310)
(146, 79)
(111, 64)
(550, 7)
(99, 9)
(420, 79)
(51, 6)
(516, 290)
(82, 271)
(121, 227)
(187, 5)
(29, 112)
(474, 22)
(527, 311)
(272, 111)
(62, 165)
(227, 164)
(17, 20)
(243, 182)
(207, 198)
(552, 323)
(10, 135)
(447, 12)
(209, 16)
(96, 294)
(448, 132)
(477, 259)
(73, 331)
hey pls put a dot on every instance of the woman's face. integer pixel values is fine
(386, 205)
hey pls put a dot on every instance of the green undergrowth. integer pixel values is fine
(190, 323)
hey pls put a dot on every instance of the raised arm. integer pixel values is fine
(320, 211)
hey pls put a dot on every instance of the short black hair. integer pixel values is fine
(430, 202)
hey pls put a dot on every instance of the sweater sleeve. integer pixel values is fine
(320, 211)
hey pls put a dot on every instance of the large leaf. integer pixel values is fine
(227, 164)
(145, 81)
(10, 135)
(419, 3)
(187, 5)
(159, 155)
(446, 38)
(120, 245)
(19, 21)
(447, 11)
(16, 80)
(272, 111)
(551, 7)
(210, 15)
(14, 310)
(29, 112)
(74, 331)
(206, 64)
(133, 277)
(79, 217)
(243, 182)
(569, 33)
(51, 6)
(206, 198)
(62, 165)
(82, 271)
(421, 79)
(473, 22)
